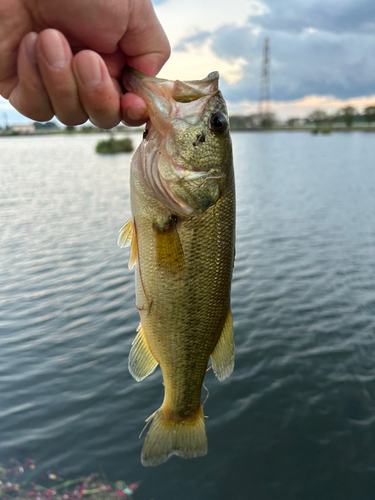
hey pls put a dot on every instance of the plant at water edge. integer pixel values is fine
(113, 145)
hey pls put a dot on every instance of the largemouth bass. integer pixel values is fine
(182, 245)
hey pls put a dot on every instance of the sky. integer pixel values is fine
(322, 51)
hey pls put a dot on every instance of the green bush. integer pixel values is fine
(323, 130)
(113, 145)
(326, 130)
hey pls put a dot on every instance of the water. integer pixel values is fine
(295, 420)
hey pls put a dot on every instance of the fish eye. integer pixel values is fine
(218, 123)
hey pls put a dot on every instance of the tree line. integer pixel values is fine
(347, 115)
(318, 118)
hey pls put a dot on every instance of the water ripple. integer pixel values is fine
(295, 419)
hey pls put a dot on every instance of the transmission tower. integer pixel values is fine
(264, 109)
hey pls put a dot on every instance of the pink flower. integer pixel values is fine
(108, 488)
(133, 487)
(10, 472)
(31, 493)
(120, 493)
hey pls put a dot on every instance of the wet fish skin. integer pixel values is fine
(182, 230)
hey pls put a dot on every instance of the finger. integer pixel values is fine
(7, 85)
(29, 96)
(99, 94)
(145, 41)
(55, 63)
(14, 24)
(133, 110)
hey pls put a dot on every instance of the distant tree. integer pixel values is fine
(369, 114)
(70, 129)
(318, 117)
(268, 120)
(292, 122)
(348, 114)
(242, 122)
(50, 126)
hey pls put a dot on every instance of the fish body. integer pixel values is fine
(182, 246)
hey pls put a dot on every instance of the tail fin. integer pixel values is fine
(185, 438)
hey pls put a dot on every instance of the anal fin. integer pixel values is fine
(141, 361)
(222, 357)
(127, 236)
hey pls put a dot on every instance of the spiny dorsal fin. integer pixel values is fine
(223, 355)
(127, 236)
(141, 360)
(169, 253)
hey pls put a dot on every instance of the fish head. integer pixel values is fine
(189, 129)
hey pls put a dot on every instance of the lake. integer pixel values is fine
(296, 420)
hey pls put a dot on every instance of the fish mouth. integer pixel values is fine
(169, 99)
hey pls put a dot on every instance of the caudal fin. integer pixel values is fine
(185, 438)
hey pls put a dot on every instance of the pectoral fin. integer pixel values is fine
(222, 357)
(127, 236)
(169, 253)
(141, 360)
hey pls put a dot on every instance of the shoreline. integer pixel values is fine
(314, 130)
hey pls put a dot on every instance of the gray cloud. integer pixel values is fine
(339, 16)
(338, 59)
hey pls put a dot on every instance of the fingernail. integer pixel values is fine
(135, 113)
(89, 70)
(53, 49)
(30, 40)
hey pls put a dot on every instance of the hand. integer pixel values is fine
(64, 58)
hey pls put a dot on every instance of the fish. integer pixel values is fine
(181, 236)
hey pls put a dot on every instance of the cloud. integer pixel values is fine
(336, 16)
(302, 63)
(196, 61)
(181, 19)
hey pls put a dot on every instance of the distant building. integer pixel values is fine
(23, 129)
